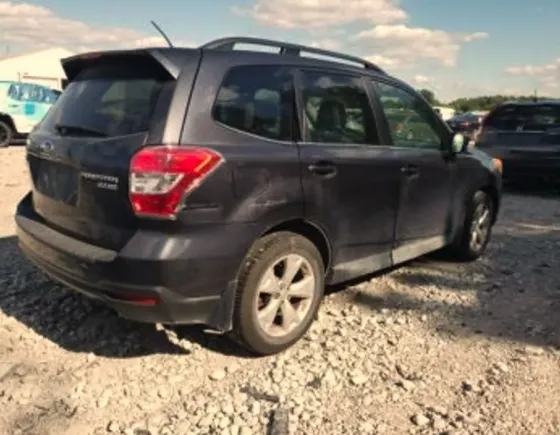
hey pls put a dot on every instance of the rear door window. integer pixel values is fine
(524, 118)
(336, 109)
(258, 100)
(108, 101)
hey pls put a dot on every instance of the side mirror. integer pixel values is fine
(458, 143)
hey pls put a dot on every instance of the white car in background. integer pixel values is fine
(22, 106)
(445, 112)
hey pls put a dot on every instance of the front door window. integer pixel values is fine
(411, 122)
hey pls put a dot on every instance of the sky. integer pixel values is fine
(455, 48)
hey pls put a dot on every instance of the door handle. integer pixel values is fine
(411, 171)
(323, 169)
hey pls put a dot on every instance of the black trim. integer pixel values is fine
(45, 235)
(201, 310)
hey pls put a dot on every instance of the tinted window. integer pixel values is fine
(109, 100)
(32, 93)
(410, 119)
(258, 100)
(524, 118)
(466, 117)
(337, 109)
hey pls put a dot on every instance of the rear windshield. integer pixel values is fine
(108, 100)
(465, 117)
(525, 118)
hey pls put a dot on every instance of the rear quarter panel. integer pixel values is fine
(259, 183)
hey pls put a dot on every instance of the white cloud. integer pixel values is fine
(411, 44)
(546, 76)
(26, 26)
(551, 82)
(476, 36)
(293, 14)
(421, 80)
(535, 70)
(383, 61)
(327, 44)
(389, 42)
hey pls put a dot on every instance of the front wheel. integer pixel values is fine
(6, 134)
(471, 242)
(280, 288)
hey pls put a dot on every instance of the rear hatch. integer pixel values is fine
(79, 155)
(455, 123)
(523, 134)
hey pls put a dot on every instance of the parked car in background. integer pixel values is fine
(466, 123)
(525, 135)
(445, 112)
(22, 106)
(187, 186)
(56, 93)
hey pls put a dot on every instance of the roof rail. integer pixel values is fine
(227, 44)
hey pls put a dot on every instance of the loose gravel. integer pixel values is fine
(430, 348)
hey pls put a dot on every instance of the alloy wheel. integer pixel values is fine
(285, 295)
(480, 227)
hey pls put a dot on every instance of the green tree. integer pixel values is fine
(429, 96)
(487, 102)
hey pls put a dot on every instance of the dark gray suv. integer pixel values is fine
(525, 135)
(228, 187)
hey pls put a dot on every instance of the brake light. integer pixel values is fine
(162, 176)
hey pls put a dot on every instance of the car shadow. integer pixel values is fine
(18, 141)
(515, 289)
(78, 324)
(512, 294)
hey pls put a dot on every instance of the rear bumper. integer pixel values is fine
(152, 285)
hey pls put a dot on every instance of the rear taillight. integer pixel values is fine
(161, 177)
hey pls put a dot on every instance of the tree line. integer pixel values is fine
(485, 102)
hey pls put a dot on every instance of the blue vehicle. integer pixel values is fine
(22, 106)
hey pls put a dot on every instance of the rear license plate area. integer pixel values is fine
(55, 180)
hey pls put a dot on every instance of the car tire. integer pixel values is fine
(6, 134)
(266, 295)
(477, 225)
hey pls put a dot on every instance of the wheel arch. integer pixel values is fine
(492, 192)
(309, 230)
(4, 117)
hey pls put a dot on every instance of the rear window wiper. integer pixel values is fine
(71, 130)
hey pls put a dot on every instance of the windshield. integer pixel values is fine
(525, 118)
(107, 101)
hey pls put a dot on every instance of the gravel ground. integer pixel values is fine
(430, 348)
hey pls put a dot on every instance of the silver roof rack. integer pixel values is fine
(286, 48)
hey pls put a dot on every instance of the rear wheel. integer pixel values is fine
(6, 134)
(280, 289)
(471, 243)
